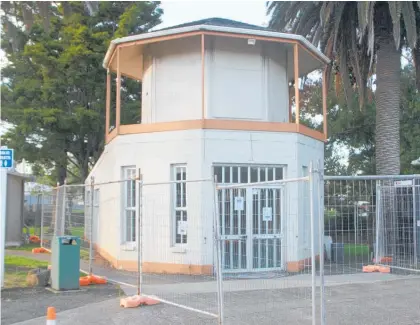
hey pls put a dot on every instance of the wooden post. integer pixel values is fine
(296, 72)
(324, 101)
(108, 104)
(202, 77)
(118, 94)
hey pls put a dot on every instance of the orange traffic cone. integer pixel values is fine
(51, 316)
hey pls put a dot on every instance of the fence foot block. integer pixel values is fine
(370, 268)
(39, 250)
(136, 301)
(91, 279)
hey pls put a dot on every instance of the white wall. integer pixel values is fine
(172, 81)
(200, 150)
(246, 82)
(242, 81)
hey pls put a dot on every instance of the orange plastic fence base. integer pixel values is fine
(91, 279)
(39, 250)
(136, 301)
(34, 239)
(376, 268)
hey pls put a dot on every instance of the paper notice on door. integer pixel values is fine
(267, 214)
(182, 228)
(418, 223)
(239, 203)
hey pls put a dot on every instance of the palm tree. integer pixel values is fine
(362, 38)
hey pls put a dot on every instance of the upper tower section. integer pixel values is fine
(213, 73)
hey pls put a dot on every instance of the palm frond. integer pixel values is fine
(395, 11)
(409, 17)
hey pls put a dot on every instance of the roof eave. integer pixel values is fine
(234, 30)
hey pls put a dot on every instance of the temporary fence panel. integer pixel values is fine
(371, 237)
(268, 235)
(177, 244)
(32, 213)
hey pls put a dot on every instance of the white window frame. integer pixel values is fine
(179, 206)
(264, 173)
(128, 211)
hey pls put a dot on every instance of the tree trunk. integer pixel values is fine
(416, 56)
(388, 75)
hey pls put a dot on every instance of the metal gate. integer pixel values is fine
(251, 228)
(398, 223)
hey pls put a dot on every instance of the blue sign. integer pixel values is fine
(6, 158)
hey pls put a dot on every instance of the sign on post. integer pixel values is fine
(6, 158)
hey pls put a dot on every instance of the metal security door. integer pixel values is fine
(233, 229)
(266, 228)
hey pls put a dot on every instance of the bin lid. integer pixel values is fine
(67, 239)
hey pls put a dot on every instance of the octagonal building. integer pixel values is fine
(215, 101)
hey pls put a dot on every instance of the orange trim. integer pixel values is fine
(296, 70)
(217, 124)
(111, 136)
(202, 75)
(161, 127)
(118, 95)
(189, 34)
(324, 103)
(159, 39)
(112, 57)
(155, 267)
(108, 103)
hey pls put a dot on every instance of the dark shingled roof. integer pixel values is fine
(221, 22)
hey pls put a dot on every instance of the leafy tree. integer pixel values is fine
(362, 38)
(53, 89)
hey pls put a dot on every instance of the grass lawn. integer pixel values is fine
(359, 250)
(78, 231)
(16, 269)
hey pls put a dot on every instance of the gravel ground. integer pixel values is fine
(20, 304)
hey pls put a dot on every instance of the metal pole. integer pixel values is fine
(92, 195)
(42, 219)
(216, 227)
(378, 219)
(355, 222)
(414, 223)
(139, 235)
(311, 201)
(320, 181)
(63, 218)
(3, 212)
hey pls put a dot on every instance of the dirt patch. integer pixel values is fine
(20, 304)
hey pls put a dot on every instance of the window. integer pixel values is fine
(129, 204)
(229, 174)
(179, 175)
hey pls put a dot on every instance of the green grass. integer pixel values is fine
(26, 247)
(359, 250)
(16, 269)
(23, 262)
(78, 231)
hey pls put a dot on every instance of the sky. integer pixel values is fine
(178, 12)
